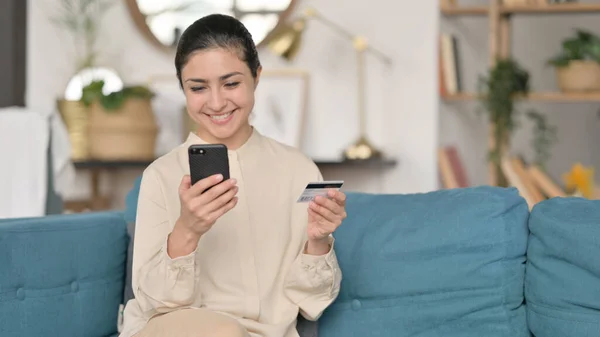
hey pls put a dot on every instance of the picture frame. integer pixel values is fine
(280, 106)
(168, 105)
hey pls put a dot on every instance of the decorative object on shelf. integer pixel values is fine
(506, 81)
(73, 111)
(286, 43)
(81, 19)
(163, 22)
(579, 181)
(578, 64)
(280, 105)
(122, 123)
(75, 115)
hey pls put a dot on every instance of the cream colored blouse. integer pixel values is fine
(250, 265)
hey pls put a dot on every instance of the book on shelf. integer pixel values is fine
(533, 184)
(452, 170)
(450, 81)
(528, 2)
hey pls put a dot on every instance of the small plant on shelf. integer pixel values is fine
(498, 93)
(578, 63)
(113, 101)
(122, 125)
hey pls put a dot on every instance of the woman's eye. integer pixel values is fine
(232, 84)
(197, 89)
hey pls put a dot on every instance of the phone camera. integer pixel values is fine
(197, 151)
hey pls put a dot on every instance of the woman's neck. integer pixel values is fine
(234, 142)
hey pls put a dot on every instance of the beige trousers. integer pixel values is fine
(193, 323)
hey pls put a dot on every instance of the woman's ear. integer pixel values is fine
(257, 79)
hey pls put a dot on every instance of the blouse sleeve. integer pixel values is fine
(313, 281)
(160, 284)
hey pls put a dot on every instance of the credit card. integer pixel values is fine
(319, 188)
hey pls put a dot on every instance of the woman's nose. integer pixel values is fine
(216, 101)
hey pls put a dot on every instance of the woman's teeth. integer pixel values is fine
(221, 117)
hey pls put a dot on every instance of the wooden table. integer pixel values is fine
(97, 201)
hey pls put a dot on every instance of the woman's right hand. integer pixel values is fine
(200, 211)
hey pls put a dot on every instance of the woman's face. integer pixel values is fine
(219, 91)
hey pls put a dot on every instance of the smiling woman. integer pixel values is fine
(163, 21)
(231, 255)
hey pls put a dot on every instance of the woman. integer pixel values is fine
(242, 259)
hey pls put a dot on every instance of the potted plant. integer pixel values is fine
(505, 83)
(122, 123)
(578, 63)
(80, 18)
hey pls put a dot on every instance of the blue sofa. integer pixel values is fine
(455, 263)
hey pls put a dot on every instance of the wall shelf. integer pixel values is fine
(535, 96)
(98, 202)
(564, 8)
(464, 10)
(141, 164)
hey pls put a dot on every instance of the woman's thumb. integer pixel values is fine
(186, 183)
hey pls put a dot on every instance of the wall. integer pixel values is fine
(536, 38)
(401, 100)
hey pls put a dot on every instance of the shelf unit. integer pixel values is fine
(536, 97)
(498, 16)
(450, 10)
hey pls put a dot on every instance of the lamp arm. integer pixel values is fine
(347, 34)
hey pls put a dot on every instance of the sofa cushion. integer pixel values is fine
(562, 283)
(62, 275)
(447, 263)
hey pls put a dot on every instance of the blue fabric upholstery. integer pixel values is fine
(131, 200)
(448, 263)
(563, 268)
(62, 275)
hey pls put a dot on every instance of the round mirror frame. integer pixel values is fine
(140, 22)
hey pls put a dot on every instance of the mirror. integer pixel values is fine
(163, 21)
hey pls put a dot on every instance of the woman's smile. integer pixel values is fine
(223, 118)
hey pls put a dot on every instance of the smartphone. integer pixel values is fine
(207, 160)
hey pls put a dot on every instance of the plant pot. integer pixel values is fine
(75, 115)
(127, 133)
(579, 76)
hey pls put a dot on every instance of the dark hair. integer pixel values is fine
(217, 31)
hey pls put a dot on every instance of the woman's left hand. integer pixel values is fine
(325, 215)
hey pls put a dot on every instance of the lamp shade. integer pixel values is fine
(287, 39)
